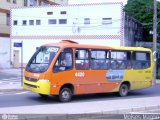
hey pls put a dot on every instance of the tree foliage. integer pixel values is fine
(143, 10)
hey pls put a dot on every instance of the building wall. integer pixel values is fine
(61, 2)
(44, 2)
(4, 28)
(96, 30)
(4, 52)
(5, 31)
(7, 5)
(76, 20)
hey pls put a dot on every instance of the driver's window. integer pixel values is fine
(64, 61)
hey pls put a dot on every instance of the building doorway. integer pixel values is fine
(16, 58)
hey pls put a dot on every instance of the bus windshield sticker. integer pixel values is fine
(51, 49)
(115, 75)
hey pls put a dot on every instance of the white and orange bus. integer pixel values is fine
(67, 68)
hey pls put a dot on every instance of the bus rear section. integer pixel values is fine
(75, 69)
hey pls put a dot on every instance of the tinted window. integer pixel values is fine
(100, 59)
(82, 59)
(121, 60)
(141, 60)
(64, 61)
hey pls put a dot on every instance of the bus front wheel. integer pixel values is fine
(65, 95)
(123, 90)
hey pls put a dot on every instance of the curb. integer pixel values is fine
(133, 110)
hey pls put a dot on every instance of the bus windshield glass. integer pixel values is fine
(41, 60)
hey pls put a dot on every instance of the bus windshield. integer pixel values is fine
(41, 60)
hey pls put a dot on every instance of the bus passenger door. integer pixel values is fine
(62, 71)
(141, 69)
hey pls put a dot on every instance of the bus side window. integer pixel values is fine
(141, 60)
(100, 60)
(121, 60)
(64, 61)
(82, 59)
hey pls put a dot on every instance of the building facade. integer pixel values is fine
(86, 24)
(29, 3)
(5, 43)
(5, 6)
(97, 23)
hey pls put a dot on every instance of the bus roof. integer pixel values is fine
(70, 43)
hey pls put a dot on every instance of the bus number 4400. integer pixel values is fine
(79, 74)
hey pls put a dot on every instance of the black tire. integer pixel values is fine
(65, 95)
(123, 90)
(43, 95)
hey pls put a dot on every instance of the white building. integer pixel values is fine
(100, 23)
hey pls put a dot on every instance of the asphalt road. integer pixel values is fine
(14, 99)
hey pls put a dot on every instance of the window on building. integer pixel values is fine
(44, 3)
(141, 60)
(24, 22)
(52, 21)
(121, 60)
(82, 59)
(38, 22)
(62, 21)
(25, 2)
(33, 2)
(8, 19)
(63, 12)
(31, 22)
(49, 13)
(100, 59)
(106, 21)
(15, 22)
(15, 1)
(86, 20)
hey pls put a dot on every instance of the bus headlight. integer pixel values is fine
(43, 80)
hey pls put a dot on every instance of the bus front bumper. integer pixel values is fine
(41, 86)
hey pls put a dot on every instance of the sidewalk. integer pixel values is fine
(11, 87)
(12, 71)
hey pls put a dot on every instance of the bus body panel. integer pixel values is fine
(89, 81)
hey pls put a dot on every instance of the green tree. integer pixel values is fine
(142, 10)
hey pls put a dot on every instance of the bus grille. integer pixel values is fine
(29, 85)
(31, 79)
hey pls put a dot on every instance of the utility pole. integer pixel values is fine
(155, 36)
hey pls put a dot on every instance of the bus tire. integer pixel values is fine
(43, 95)
(65, 95)
(123, 90)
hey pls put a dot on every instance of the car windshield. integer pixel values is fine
(41, 60)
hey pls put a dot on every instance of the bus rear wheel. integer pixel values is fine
(123, 90)
(65, 95)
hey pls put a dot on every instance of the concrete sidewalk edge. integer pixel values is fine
(135, 110)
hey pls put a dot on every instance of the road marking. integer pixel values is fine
(24, 92)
